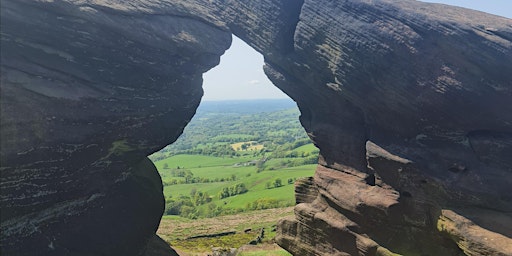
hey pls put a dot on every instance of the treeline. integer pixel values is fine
(189, 178)
(199, 205)
(186, 205)
(233, 191)
(220, 150)
(179, 172)
(276, 184)
(266, 203)
(211, 133)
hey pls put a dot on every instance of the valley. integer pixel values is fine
(233, 169)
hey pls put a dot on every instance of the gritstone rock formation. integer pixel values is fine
(409, 104)
(89, 89)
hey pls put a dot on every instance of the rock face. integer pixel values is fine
(409, 104)
(88, 91)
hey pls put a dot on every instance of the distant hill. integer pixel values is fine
(245, 106)
(219, 128)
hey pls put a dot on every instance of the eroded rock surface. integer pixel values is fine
(401, 96)
(409, 104)
(89, 89)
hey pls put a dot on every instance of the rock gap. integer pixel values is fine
(233, 82)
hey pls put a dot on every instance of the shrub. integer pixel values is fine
(263, 203)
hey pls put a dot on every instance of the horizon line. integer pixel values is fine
(234, 99)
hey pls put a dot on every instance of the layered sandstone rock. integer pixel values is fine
(89, 89)
(409, 104)
(385, 88)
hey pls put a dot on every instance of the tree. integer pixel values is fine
(201, 198)
(187, 212)
(278, 183)
(240, 188)
(166, 166)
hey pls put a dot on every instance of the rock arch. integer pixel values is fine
(394, 93)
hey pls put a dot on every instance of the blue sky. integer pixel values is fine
(239, 76)
(240, 72)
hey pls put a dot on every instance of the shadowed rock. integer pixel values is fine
(408, 102)
(88, 91)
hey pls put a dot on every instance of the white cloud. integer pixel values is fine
(254, 82)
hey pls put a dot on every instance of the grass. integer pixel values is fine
(307, 148)
(175, 230)
(256, 184)
(222, 171)
(218, 167)
(253, 146)
(198, 161)
(278, 252)
(205, 244)
(184, 189)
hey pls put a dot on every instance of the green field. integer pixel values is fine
(198, 161)
(310, 148)
(224, 170)
(233, 168)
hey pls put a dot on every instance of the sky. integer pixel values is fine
(240, 76)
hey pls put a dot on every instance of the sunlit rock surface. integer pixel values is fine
(409, 103)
